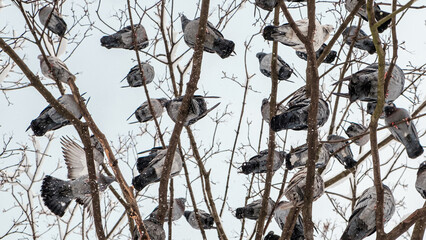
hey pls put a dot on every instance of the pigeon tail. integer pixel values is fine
(413, 147)
(349, 162)
(42, 125)
(60, 27)
(268, 31)
(249, 167)
(330, 57)
(56, 194)
(139, 183)
(287, 120)
(240, 213)
(379, 14)
(112, 41)
(223, 47)
(284, 74)
(148, 176)
(369, 46)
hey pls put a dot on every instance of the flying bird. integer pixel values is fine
(267, 5)
(362, 222)
(286, 35)
(265, 110)
(281, 213)
(178, 209)
(252, 210)
(362, 12)
(421, 179)
(403, 129)
(362, 41)
(295, 190)
(56, 24)
(258, 163)
(206, 219)
(125, 39)
(214, 41)
(284, 71)
(356, 129)
(143, 114)
(328, 59)
(135, 76)
(49, 119)
(197, 109)
(57, 70)
(341, 150)
(298, 157)
(154, 229)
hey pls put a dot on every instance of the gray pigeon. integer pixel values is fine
(124, 38)
(298, 157)
(295, 116)
(154, 229)
(356, 129)
(143, 114)
(421, 180)
(285, 34)
(58, 70)
(49, 119)
(267, 5)
(151, 167)
(206, 219)
(197, 109)
(265, 110)
(363, 84)
(271, 236)
(284, 71)
(177, 211)
(362, 222)
(328, 59)
(362, 12)
(295, 191)
(135, 77)
(344, 155)
(258, 163)
(214, 41)
(56, 24)
(281, 213)
(362, 41)
(252, 210)
(405, 131)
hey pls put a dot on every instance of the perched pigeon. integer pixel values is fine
(49, 119)
(421, 180)
(56, 24)
(362, 12)
(57, 194)
(151, 168)
(258, 163)
(362, 222)
(298, 157)
(177, 211)
(285, 34)
(58, 70)
(343, 154)
(328, 59)
(362, 41)
(281, 213)
(284, 71)
(363, 84)
(295, 116)
(135, 77)
(296, 188)
(405, 131)
(124, 38)
(252, 210)
(271, 236)
(265, 110)
(154, 229)
(267, 5)
(143, 114)
(214, 42)
(197, 109)
(356, 129)
(206, 219)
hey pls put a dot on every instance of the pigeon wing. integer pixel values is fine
(75, 158)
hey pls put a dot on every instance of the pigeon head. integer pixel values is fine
(422, 168)
(265, 100)
(260, 56)
(40, 57)
(181, 202)
(268, 31)
(187, 214)
(96, 144)
(163, 101)
(389, 109)
(105, 181)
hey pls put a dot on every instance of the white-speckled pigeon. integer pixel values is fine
(124, 38)
(258, 163)
(154, 229)
(284, 71)
(143, 114)
(252, 210)
(206, 219)
(281, 213)
(214, 42)
(56, 24)
(295, 191)
(177, 211)
(58, 69)
(356, 129)
(362, 41)
(265, 110)
(298, 157)
(328, 59)
(135, 78)
(344, 155)
(421, 180)
(362, 12)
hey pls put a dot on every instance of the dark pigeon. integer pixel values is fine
(281, 213)
(298, 157)
(362, 12)
(421, 180)
(206, 219)
(135, 78)
(258, 163)
(124, 38)
(56, 24)
(344, 155)
(295, 189)
(154, 229)
(252, 210)
(328, 59)
(143, 114)
(57, 71)
(356, 129)
(362, 41)
(265, 110)
(284, 71)
(177, 210)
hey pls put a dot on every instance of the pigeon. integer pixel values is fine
(267, 5)
(421, 180)
(295, 116)
(363, 84)
(281, 213)
(57, 71)
(143, 114)
(206, 219)
(56, 24)
(124, 38)
(371, 106)
(296, 188)
(177, 211)
(197, 109)
(271, 236)
(405, 131)
(345, 155)
(214, 41)
(265, 110)
(151, 167)
(154, 229)
(328, 59)
(362, 12)
(49, 119)
(362, 41)
(258, 163)
(298, 157)
(356, 129)
(285, 34)
(135, 77)
(362, 222)
(252, 210)
(284, 71)
(57, 194)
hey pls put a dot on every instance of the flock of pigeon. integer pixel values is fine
(58, 194)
